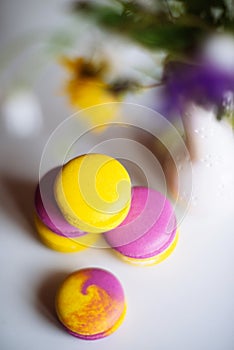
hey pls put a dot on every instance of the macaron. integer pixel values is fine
(90, 303)
(47, 208)
(61, 243)
(93, 192)
(148, 235)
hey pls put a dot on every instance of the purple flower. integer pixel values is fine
(204, 84)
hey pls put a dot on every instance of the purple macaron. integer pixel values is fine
(148, 234)
(48, 210)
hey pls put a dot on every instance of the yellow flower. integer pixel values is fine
(86, 88)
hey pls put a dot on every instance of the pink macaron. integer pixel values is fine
(48, 210)
(148, 235)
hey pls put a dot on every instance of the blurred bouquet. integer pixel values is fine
(191, 45)
(125, 47)
(177, 53)
(194, 37)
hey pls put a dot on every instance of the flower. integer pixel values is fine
(204, 84)
(87, 88)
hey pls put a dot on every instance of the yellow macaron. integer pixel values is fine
(93, 192)
(61, 243)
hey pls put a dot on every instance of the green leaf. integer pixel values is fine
(159, 29)
(168, 36)
(207, 9)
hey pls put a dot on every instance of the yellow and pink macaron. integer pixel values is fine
(149, 234)
(90, 303)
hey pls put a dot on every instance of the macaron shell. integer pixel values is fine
(149, 228)
(90, 303)
(60, 243)
(153, 260)
(104, 334)
(48, 210)
(93, 192)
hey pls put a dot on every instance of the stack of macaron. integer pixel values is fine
(92, 195)
(73, 204)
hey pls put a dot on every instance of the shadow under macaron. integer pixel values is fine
(46, 294)
(17, 202)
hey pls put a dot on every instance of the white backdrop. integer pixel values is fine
(186, 302)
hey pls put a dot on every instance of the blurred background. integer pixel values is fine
(176, 59)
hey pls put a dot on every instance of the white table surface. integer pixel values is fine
(186, 302)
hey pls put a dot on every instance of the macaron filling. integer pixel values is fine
(156, 259)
